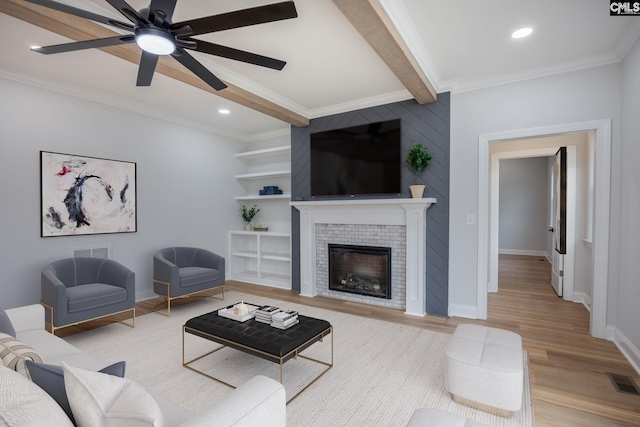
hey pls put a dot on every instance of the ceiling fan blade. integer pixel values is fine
(241, 18)
(198, 69)
(183, 31)
(130, 13)
(165, 6)
(148, 63)
(238, 55)
(188, 43)
(88, 44)
(82, 13)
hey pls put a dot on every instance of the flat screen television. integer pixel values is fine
(358, 160)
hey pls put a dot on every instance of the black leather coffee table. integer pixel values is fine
(259, 339)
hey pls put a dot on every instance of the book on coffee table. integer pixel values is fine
(264, 313)
(287, 326)
(284, 319)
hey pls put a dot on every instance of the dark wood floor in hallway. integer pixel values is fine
(569, 381)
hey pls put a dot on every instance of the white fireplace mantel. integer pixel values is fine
(407, 212)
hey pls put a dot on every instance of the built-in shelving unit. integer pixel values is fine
(257, 196)
(263, 258)
(264, 175)
(268, 153)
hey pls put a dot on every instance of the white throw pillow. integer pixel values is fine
(14, 352)
(22, 403)
(98, 399)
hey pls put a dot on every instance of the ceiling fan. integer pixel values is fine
(156, 34)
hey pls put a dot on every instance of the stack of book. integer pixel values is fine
(284, 319)
(264, 313)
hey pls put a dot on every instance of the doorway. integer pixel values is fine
(487, 252)
(545, 147)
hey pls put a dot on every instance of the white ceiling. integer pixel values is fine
(461, 45)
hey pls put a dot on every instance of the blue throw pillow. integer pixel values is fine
(5, 324)
(50, 378)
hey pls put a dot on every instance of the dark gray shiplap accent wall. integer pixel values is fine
(428, 124)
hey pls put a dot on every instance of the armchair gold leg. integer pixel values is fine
(54, 328)
(167, 299)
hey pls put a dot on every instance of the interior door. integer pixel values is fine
(560, 220)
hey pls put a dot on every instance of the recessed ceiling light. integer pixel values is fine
(223, 111)
(36, 47)
(522, 32)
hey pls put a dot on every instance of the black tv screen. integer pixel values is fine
(359, 160)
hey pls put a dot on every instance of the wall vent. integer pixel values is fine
(91, 252)
(623, 383)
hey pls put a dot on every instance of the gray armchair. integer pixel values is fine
(75, 290)
(181, 272)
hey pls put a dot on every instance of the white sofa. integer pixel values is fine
(259, 401)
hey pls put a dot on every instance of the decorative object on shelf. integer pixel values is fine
(270, 190)
(248, 214)
(417, 160)
(86, 195)
(260, 228)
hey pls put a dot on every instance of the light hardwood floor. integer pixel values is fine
(568, 367)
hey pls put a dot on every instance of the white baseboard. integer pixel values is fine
(630, 352)
(522, 252)
(583, 298)
(466, 311)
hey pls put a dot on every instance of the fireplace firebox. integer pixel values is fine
(364, 270)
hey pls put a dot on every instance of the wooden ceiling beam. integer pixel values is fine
(76, 28)
(374, 24)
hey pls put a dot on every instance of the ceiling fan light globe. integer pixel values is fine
(155, 41)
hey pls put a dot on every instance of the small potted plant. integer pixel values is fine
(417, 160)
(248, 214)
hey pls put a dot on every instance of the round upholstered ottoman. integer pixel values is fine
(485, 369)
(426, 417)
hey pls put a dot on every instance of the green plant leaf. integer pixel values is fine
(417, 158)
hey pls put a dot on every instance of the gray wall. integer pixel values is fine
(628, 316)
(427, 124)
(524, 205)
(184, 180)
(590, 94)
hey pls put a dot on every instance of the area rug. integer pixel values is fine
(382, 371)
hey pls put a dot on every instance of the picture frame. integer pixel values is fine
(81, 195)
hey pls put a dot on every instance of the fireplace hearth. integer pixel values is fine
(364, 270)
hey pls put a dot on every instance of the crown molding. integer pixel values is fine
(113, 101)
(406, 28)
(628, 39)
(467, 85)
(359, 104)
(270, 134)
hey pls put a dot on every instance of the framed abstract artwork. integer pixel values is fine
(86, 195)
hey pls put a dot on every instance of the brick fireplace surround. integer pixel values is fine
(369, 216)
